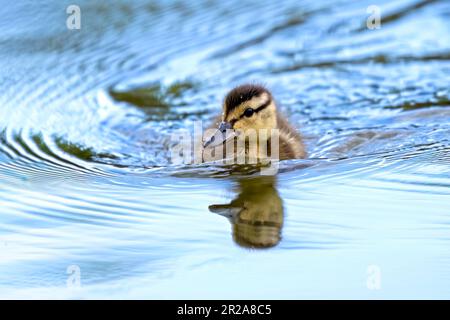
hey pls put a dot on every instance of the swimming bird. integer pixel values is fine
(252, 108)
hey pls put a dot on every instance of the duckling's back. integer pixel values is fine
(291, 143)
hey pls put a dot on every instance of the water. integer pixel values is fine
(86, 182)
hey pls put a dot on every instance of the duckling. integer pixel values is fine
(251, 106)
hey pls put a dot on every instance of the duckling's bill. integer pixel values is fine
(222, 134)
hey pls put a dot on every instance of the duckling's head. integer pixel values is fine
(250, 107)
(247, 106)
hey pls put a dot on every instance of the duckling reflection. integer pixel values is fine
(256, 214)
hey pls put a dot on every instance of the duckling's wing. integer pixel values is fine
(291, 142)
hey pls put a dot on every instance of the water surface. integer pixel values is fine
(86, 118)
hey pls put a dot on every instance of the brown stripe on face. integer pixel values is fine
(260, 108)
(241, 94)
(257, 104)
(263, 106)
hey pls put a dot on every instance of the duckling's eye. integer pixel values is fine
(249, 112)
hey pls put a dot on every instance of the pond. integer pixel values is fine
(92, 207)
